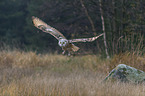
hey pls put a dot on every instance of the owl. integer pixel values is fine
(65, 44)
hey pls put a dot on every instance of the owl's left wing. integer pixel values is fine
(86, 39)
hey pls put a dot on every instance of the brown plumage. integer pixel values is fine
(67, 45)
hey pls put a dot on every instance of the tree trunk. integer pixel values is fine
(103, 28)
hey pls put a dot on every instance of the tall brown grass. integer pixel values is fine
(31, 74)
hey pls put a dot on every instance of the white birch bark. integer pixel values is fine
(103, 28)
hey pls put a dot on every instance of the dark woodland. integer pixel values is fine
(124, 22)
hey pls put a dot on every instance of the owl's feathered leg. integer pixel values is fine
(63, 52)
(69, 53)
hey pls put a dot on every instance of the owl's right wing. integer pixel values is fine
(46, 28)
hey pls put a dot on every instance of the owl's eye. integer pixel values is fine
(63, 43)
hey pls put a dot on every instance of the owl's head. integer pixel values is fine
(63, 42)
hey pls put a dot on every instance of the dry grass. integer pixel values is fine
(31, 74)
(129, 59)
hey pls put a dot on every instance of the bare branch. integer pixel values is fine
(87, 14)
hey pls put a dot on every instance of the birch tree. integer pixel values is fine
(103, 29)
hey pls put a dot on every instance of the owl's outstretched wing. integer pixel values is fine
(46, 28)
(86, 39)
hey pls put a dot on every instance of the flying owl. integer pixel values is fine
(66, 45)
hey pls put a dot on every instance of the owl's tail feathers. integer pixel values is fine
(75, 48)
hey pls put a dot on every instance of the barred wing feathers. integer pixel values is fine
(85, 39)
(46, 28)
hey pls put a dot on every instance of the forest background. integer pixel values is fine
(124, 24)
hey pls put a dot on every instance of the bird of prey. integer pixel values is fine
(65, 44)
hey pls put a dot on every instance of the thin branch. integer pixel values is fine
(91, 21)
(87, 14)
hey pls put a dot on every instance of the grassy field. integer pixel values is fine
(31, 74)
